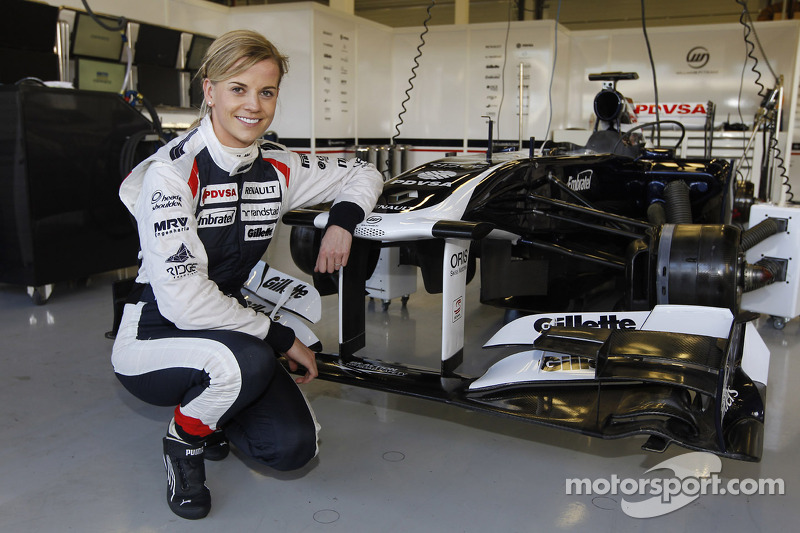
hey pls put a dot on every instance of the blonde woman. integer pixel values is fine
(206, 206)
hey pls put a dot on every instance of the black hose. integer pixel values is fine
(656, 214)
(758, 233)
(679, 209)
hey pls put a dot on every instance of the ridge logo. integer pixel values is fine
(215, 194)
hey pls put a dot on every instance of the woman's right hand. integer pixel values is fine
(300, 355)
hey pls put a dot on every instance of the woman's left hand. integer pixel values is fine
(334, 249)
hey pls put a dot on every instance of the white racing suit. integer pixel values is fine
(205, 216)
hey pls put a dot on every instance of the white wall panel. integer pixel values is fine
(375, 107)
(290, 31)
(436, 106)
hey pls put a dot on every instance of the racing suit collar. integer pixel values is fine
(232, 160)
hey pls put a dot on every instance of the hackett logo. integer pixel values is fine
(215, 194)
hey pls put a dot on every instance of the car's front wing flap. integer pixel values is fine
(706, 403)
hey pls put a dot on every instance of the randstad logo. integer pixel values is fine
(694, 474)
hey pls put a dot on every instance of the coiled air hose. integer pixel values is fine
(679, 209)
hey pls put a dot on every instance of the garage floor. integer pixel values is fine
(78, 453)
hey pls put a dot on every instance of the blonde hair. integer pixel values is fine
(234, 52)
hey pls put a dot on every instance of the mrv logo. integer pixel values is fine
(581, 182)
(576, 321)
(278, 284)
(171, 225)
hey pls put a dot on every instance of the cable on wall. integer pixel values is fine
(503, 72)
(121, 22)
(653, 68)
(552, 76)
(413, 76)
(749, 29)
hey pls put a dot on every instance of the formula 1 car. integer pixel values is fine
(626, 273)
(622, 262)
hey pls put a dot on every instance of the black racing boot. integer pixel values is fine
(216, 448)
(187, 494)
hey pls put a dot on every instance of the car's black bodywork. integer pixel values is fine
(569, 233)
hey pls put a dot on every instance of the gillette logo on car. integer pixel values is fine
(216, 194)
(577, 321)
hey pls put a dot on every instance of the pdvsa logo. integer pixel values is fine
(697, 57)
(214, 194)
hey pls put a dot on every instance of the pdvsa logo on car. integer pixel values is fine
(217, 194)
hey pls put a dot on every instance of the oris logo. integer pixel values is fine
(374, 219)
(697, 57)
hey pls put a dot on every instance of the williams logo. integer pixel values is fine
(581, 182)
(697, 57)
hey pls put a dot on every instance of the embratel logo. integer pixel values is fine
(212, 218)
(697, 57)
